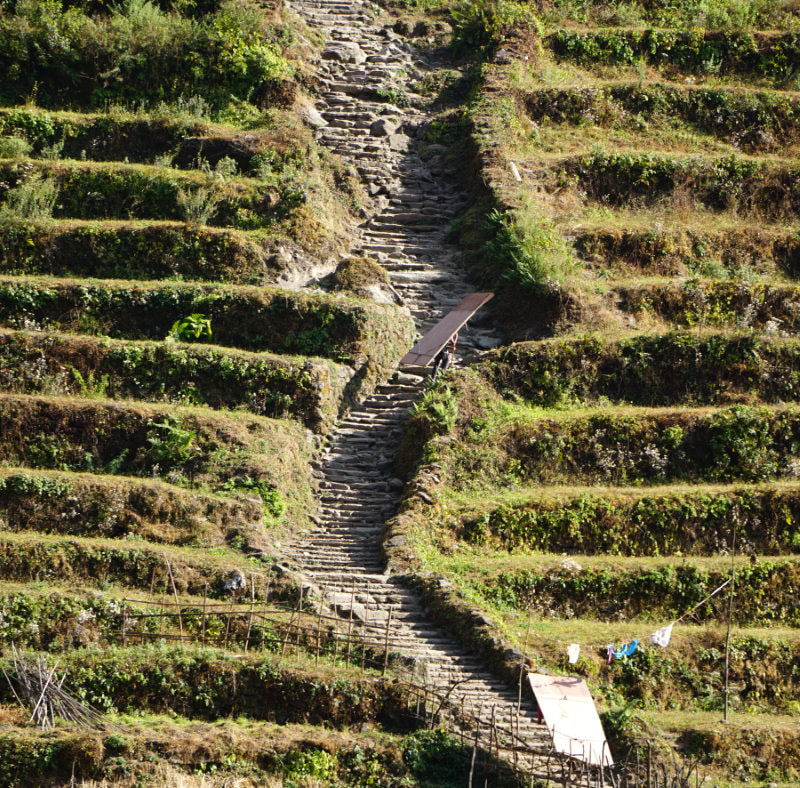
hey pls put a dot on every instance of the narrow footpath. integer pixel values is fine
(407, 235)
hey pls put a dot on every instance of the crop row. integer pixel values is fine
(248, 318)
(138, 54)
(134, 191)
(113, 507)
(190, 447)
(747, 186)
(311, 391)
(770, 56)
(753, 120)
(643, 522)
(633, 446)
(652, 369)
(735, 252)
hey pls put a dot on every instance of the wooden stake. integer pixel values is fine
(474, 756)
(350, 622)
(319, 625)
(175, 594)
(731, 593)
(250, 617)
(386, 643)
(205, 601)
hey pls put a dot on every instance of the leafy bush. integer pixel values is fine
(137, 53)
(480, 26)
(191, 328)
(14, 148)
(170, 445)
(32, 198)
(279, 387)
(684, 522)
(524, 253)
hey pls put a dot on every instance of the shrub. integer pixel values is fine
(525, 253)
(480, 26)
(32, 198)
(14, 148)
(137, 54)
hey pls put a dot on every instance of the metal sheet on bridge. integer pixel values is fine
(571, 717)
(429, 346)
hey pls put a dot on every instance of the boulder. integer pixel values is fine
(383, 127)
(344, 52)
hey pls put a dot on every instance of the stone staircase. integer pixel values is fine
(414, 203)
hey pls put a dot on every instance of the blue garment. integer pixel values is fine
(626, 651)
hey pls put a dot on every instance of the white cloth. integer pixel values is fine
(573, 652)
(661, 637)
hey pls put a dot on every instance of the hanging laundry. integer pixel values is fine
(573, 652)
(661, 637)
(626, 651)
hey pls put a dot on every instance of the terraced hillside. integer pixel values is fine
(180, 329)
(222, 224)
(635, 447)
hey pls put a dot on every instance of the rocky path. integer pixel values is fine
(414, 203)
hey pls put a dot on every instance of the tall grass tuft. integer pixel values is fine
(33, 198)
(198, 203)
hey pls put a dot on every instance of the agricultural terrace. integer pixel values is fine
(171, 356)
(637, 214)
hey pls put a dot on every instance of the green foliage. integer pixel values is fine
(525, 252)
(480, 26)
(318, 764)
(191, 328)
(436, 757)
(14, 148)
(32, 198)
(683, 522)
(437, 410)
(137, 53)
(273, 503)
(91, 385)
(170, 444)
(772, 57)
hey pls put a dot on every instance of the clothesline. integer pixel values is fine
(660, 637)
